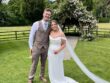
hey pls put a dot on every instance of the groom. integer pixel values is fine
(38, 43)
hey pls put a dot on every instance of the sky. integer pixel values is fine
(52, 0)
(5, 1)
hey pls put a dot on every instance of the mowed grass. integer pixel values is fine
(104, 25)
(15, 28)
(96, 56)
(15, 64)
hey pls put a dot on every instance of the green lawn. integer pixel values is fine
(104, 25)
(100, 25)
(96, 56)
(15, 28)
(15, 64)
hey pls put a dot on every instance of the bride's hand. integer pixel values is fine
(56, 51)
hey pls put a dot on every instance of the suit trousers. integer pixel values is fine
(36, 54)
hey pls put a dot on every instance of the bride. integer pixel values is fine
(56, 54)
(57, 44)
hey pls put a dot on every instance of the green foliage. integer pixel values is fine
(33, 9)
(89, 4)
(101, 9)
(3, 14)
(75, 9)
(104, 20)
(12, 14)
(21, 12)
(0, 1)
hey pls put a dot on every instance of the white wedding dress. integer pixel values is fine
(55, 63)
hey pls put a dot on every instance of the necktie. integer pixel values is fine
(46, 25)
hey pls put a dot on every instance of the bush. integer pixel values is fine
(10, 19)
(73, 34)
(104, 20)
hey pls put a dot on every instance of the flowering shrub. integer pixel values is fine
(75, 9)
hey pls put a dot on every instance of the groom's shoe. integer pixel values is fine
(43, 79)
(30, 81)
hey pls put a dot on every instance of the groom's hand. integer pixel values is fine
(31, 51)
(30, 57)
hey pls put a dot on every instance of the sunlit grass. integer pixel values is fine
(104, 25)
(15, 64)
(16, 28)
(96, 56)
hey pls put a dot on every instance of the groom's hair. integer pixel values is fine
(48, 9)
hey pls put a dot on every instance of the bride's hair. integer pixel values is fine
(54, 21)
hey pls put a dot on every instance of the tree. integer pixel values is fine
(21, 12)
(16, 6)
(3, 15)
(33, 9)
(12, 13)
(101, 9)
(88, 4)
(74, 13)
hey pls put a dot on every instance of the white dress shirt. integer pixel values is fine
(34, 28)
